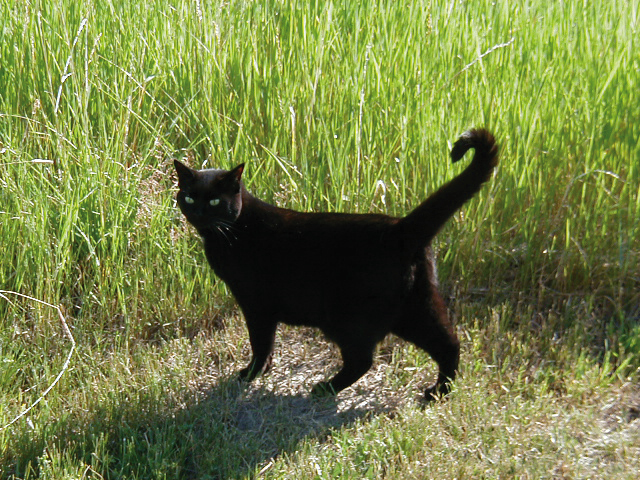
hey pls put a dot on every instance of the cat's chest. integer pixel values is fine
(223, 259)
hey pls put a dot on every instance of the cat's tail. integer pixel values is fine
(423, 223)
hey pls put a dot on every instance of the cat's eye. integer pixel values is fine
(214, 201)
(189, 200)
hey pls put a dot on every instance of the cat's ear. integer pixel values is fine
(234, 176)
(185, 174)
(237, 172)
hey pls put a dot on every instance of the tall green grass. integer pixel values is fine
(341, 106)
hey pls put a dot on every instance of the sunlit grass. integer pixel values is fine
(333, 106)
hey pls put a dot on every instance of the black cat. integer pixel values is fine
(357, 277)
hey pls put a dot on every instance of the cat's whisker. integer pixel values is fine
(230, 230)
(224, 234)
(229, 225)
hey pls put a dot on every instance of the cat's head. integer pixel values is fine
(209, 198)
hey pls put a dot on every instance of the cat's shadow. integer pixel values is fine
(239, 429)
(227, 430)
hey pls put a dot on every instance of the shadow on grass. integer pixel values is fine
(232, 430)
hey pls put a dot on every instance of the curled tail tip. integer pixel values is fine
(481, 140)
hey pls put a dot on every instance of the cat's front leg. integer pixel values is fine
(262, 334)
(357, 358)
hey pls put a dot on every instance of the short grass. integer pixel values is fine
(340, 106)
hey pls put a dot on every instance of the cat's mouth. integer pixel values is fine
(223, 229)
(201, 222)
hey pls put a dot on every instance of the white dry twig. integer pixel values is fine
(67, 332)
(480, 57)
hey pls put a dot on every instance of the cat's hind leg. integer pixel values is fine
(425, 323)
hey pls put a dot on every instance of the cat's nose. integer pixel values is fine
(196, 216)
(199, 220)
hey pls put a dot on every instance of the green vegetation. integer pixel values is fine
(346, 106)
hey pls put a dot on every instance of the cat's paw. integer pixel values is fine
(436, 392)
(246, 374)
(323, 389)
(251, 371)
(431, 394)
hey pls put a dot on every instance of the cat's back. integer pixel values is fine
(338, 221)
(331, 240)
(335, 230)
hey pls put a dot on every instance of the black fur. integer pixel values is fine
(356, 277)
